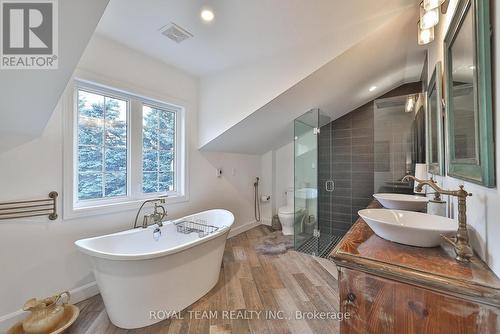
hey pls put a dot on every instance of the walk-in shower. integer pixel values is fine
(309, 189)
(340, 164)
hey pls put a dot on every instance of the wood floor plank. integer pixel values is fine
(318, 302)
(270, 271)
(218, 302)
(248, 281)
(289, 282)
(323, 273)
(250, 294)
(310, 267)
(288, 305)
(258, 232)
(252, 258)
(331, 295)
(268, 301)
(235, 300)
(239, 253)
(180, 326)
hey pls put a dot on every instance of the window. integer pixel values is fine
(158, 138)
(102, 146)
(125, 148)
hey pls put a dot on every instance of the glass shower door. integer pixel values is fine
(306, 131)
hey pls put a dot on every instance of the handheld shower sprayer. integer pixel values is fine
(256, 204)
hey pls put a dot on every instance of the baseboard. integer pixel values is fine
(266, 221)
(77, 295)
(243, 228)
(84, 292)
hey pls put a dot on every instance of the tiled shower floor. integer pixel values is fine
(321, 246)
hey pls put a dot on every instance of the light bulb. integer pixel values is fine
(410, 103)
(429, 18)
(425, 36)
(431, 4)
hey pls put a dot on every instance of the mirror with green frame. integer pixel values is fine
(467, 48)
(435, 123)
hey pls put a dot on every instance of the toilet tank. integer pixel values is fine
(291, 201)
(290, 197)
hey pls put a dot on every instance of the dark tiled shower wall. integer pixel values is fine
(346, 155)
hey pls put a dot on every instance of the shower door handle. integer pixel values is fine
(329, 185)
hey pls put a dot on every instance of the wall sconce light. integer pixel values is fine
(410, 103)
(428, 18)
(431, 4)
(425, 36)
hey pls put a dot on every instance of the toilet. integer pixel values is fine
(286, 213)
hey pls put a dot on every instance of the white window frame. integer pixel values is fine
(74, 208)
(106, 93)
(178, 169)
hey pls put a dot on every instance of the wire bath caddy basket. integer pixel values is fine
(199, 226)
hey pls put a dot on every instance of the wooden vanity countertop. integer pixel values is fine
(432, 268)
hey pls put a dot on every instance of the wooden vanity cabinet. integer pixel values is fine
(379, 305)
(389, 288)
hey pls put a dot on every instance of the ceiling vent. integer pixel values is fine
(175, 33)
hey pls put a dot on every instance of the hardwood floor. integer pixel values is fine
(251, 282)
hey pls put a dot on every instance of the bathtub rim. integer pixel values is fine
(80, 244)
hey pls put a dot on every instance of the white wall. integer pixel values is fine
(38, 257)
(266, 186)
(23, 119)
(284, 173)
(247, 89)
(277, 172)
(483, 208)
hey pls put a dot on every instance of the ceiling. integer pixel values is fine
(386, 59)
(30, 96)
(242, 32)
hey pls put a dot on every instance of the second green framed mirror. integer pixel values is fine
(435, 123)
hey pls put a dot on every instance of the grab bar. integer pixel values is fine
(30, 208)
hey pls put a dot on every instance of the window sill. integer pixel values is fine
(117, 207)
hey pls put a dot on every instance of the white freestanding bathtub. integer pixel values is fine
(139, 276)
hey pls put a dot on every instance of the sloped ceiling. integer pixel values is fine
(28, 97)
(243, 31)
(386, 58)
(252, 52)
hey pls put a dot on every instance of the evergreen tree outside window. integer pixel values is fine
(158, 156)
(102, 146)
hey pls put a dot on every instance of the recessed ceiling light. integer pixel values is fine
(207, 15)
(372, 88)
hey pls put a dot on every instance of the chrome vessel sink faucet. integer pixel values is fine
(156, 217)
(460, 242)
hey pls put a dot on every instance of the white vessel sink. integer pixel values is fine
(306, 193)
(402, 201)
(408, 227)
